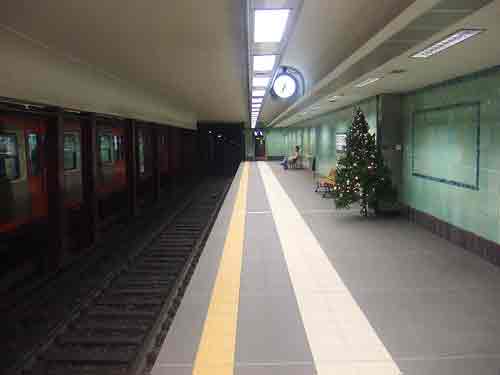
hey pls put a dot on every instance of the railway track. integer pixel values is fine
(118, 329)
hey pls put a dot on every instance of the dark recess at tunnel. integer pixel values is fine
(221, 147)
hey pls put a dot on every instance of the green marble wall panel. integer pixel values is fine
(451, 141)
(446, 144)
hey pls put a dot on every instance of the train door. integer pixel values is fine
(73, 185)
(24, 198)
(36, 170)
(120, 166)
(22, 171)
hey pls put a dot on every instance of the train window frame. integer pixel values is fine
(111, 160)
(16, 158)
(75, 166)
(118, 147)
(141, 152)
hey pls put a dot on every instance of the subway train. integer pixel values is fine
(159, 165)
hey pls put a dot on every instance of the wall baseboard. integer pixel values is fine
(486, 249)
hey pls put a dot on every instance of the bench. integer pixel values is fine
(326, 184)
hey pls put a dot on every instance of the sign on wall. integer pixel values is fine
(340, 142)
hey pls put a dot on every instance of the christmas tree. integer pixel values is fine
(362, 175)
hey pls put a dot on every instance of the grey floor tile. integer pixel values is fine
(467, 366)
(169, 370)
(270, 369)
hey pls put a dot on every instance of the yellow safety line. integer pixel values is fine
(218, 341)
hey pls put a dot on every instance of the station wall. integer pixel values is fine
(317, 137)
(450, 167)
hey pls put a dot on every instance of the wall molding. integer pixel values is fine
(477, 106)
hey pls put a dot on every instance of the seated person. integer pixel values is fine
(292, 160)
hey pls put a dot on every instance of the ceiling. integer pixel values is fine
(328, 32)
(191, 53)
(188, 60)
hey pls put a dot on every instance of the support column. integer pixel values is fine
(132, 166)
(55, 191)
(89, 176)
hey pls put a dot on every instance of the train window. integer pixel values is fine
(9, 157)
(34, 154)
(140, 156)
(106, 148)
(71, 152)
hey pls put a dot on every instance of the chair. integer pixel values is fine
(326, 184)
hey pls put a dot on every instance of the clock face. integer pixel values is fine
(284, 86)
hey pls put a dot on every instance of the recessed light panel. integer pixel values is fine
(333, 99)
(261, 81)
(264, 63)
(367, 82)
(257, 100)
(258, 93)
(270, 25)
(447, 42)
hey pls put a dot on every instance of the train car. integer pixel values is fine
(165, 159)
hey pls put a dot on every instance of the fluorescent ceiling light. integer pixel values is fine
(257, 100)
(368, 81)
(447, 42)
(333, 98)
(270, 25)
(258, 93)
(255, 106)
(261, 81)
(316, 108)
(264, 63)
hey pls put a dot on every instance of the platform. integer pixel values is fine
(289, 285)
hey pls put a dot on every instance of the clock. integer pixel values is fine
(285, 86)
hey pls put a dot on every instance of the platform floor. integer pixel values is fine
(288, 285)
